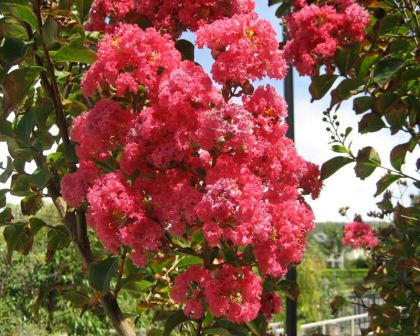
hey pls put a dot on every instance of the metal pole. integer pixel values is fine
(288, 96)
(291, 305)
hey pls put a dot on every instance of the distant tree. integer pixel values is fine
(330, 239)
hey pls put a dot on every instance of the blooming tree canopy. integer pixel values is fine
(187, 178)
(186, 158)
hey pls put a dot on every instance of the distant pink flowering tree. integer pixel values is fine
(359, 234)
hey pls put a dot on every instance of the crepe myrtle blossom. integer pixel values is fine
(189, 289)
(164, 155)
(131, 60)
(235, 293)
(359, 234)
(168, 16)
(270, 304)
(244, 47)
(316, 31)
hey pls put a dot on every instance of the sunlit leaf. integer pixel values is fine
(320, 85)
(332, 165)
(101, 274)
(75, 52)
(366, 162)
(17, 84)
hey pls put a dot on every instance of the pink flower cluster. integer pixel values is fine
(244, 47)
(316, 31)
(131, 61)
(270, 304)
(168, 16)
(232, 292)
(358, 234)
(164, 153)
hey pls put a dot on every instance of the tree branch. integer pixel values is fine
(74, 220)
(56, 98)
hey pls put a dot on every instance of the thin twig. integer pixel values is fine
(56, 97)
(120, 272)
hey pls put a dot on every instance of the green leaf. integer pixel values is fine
(20, 185)
(17, 84)
(20, 12)
(385, 182)
(332, 165)
(371, 122)
(35, 224)
(384, 100)
(6, 216)
(386, 203)
(217, 332)
(290, 289)
(366, 64)
(320, 85)
(109, 166)
(77, 298)
(43, 140)
(366, 162)
(17, 239)
(9, 28)
(398, 154)
(347, 132)
(31, 204)
(386, 69)
(270, 286)
(23, 126)
(389, 23)
(339, 149)
(12, 51)
(6, 130)
(395, 115)
(190, 260)
(40, 176)
(173, 321)
(186, 48)
(58, 239)
(345, 57)
(101, 273)
(198, 237)
(3, 193)
(284, 8)
(74, 108)
(8, 170)
(252, 326)
(50, 31)
(347, 88)
(83, 6)
(234, 329)
(132, 284)
(75, 52)
(362, 104)
(360, 290)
